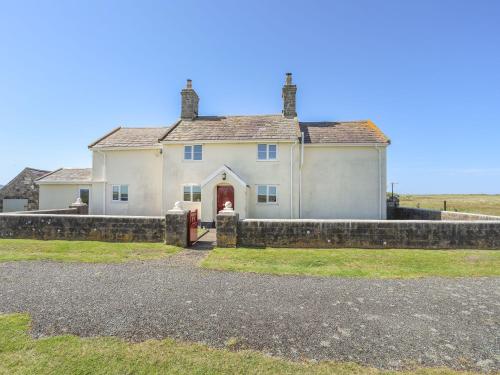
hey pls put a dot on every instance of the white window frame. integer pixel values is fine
(267, 202)
(119, 200)
(192, 146)
(267, 151)
(190, 186)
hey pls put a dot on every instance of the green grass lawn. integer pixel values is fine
(20, 354)
(473, 203)
(390, 263)
(82, 251)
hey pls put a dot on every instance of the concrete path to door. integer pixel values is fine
(383, 323)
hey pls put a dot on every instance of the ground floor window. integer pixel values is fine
(120, 193)
(267, 193)
(192, 193)
(84, 195)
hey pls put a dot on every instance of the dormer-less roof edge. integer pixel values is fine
(104, 136)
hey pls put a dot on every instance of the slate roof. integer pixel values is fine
(69, 175)
(131, 137)
(221, 128)
(241, 128)
(363, 131)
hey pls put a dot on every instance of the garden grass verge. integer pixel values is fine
(82, 251)
(21, 354)
(367, 263)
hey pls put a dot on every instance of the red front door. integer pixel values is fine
(224, 194)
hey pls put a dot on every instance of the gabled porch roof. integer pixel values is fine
(229, 171)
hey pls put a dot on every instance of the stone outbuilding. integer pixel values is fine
(21, 194)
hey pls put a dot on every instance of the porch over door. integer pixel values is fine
(224, 194)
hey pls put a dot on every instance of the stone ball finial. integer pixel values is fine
(78, 202)
(228, 204)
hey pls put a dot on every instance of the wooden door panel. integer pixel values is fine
(224, 194)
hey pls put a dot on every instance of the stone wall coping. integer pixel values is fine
(436, 222)
(177, 212)
(82, 216)
(458, 213)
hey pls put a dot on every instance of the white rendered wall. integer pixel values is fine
(344, 183)
(139, 169)
(55, 196)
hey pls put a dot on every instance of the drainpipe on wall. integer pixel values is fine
(162, 151)
(103, 182)
(300, 172)
(291, 180)
(379, 183)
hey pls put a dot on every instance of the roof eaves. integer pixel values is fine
(372, 125)
(104, 137)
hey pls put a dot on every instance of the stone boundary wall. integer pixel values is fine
(83, 227)
(410, 213)
(418, 234)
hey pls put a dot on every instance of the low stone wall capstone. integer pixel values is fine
(56, 211)
(411, 234)
(83, 227)
(411, 213)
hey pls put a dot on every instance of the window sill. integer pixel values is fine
(267, 160)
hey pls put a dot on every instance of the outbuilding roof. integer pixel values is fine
(362, 132)
(130, 137)
(230, 128)
(67, 175)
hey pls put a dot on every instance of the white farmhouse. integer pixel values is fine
(268, 166)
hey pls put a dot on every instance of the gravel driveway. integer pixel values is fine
(383, 323)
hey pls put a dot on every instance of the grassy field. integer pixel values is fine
(473, 203)
(357, 262)
(20, 354)
(82, 251)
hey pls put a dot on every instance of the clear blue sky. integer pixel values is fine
(427, 72)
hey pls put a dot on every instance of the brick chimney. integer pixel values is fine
(288, 94)
(189, 109)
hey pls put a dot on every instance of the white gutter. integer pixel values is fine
(347, 144)
(225, 141)
(61, 182)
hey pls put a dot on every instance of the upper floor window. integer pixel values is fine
(193, 152)
(120, 193)
(267, 151)
(192, 193)
(267, 194)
